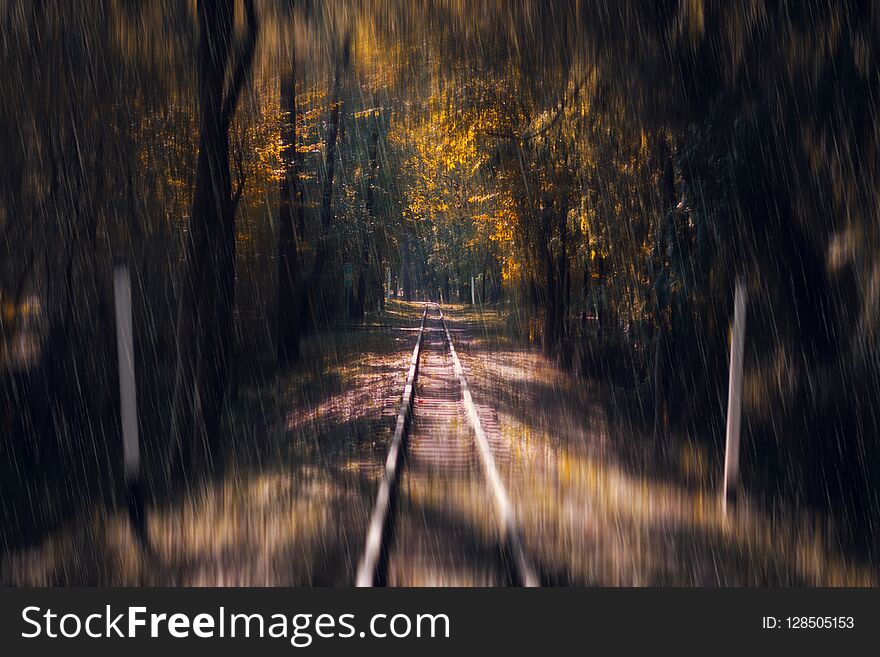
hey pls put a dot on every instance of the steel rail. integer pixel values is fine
(523, 570)
(371, 568)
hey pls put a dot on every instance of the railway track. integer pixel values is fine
(442, 514)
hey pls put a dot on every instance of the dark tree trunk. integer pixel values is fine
(290, 217)
(359, 305)
(379, 278)
(665, 341)
(552, 294)
(204, 319)
(327, 214)
(563, 283)
(405, 270)
(602, 314)
(550, 335)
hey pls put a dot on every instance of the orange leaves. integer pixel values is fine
(317, 147)
(511, 270)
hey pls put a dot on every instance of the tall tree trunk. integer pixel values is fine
(562, 277)
(551, 294)
(550, 336)
(405, 273)
(360, 300)
(290, 217)
(308, 304)
(664, 347)
(379, 276)
(204, 319)
(483, 274)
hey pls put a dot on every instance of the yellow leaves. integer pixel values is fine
(504, 222)
(585, 223)
(267, 155)
(445, 141)
(445, 144)
(371, 112)
(511, 270)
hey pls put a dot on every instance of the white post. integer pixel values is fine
(127, 397)
(734, 397)
(473, 294)
(125, 355)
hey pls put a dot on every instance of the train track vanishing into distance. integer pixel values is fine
(425, 528)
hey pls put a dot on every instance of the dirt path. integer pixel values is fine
(306, 449)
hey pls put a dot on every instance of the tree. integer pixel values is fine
(290, 224)
(360, 297)
(205, 308)
(308, 303)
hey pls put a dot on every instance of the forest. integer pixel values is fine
(579, 184)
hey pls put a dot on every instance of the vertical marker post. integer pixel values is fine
(128, 401)
(473, 294)
(734, 398)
